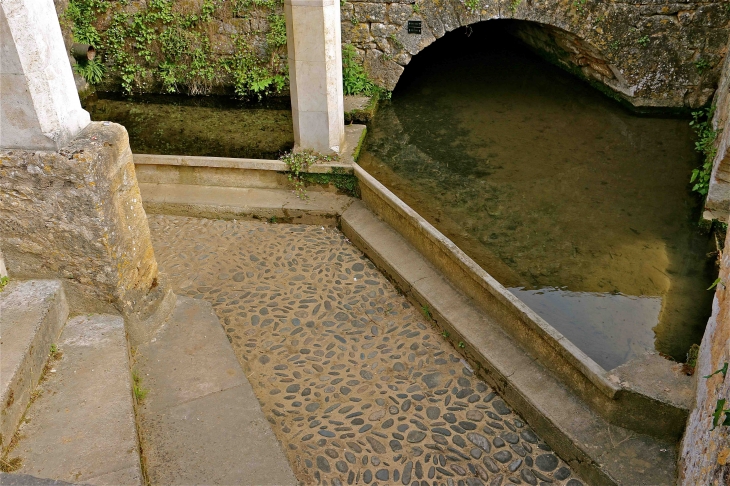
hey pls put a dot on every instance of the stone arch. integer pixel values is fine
(645, 55)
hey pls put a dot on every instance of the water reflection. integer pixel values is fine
(548, 184)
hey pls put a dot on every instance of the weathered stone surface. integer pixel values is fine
(705, 449)
(77, 215)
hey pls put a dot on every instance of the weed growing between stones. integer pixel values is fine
(705, 145)
(354, 79)
(139, 392)
(3, 282)
(297, 164)
(338, 177)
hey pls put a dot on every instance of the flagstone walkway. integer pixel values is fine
(358, 386)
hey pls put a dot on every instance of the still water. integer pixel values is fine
(212, 126)
(581, 208)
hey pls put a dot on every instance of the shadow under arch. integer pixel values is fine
(557, 46)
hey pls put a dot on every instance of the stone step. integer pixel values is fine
(600, 452)
(32, 314)
(241, 203)
(201, 422)
(81, 428)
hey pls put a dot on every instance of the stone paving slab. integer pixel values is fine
(82, 426)
(200, 421)
(32, 314)
(355, 382)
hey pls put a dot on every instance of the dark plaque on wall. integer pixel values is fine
(414, 26)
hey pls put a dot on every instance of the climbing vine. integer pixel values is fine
(705, 145)
(172, 47)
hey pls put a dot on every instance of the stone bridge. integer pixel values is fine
(651, 53)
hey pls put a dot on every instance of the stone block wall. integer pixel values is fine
(705, 453)
(77, 215)
(651, 53)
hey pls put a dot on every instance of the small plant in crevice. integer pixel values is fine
(720, 410)
(416, 8)
(643, 41)
(298, 163)
(580, 6)
(3, 282)
(426, 311)
(354, 79)
(718, 281)
(462, 345)
(722, 370)
(702, 65)
(690, 364)
(473, 5)
(140, 393)
(445, 334)
(705, 145)
(513, 5)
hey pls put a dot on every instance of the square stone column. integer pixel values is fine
(315, 70)
(39, 105)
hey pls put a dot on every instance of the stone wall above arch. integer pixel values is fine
(652, 53)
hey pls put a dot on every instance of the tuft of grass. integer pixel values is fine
(3, 282)
(140, 393)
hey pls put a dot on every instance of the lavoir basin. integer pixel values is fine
(578, 206)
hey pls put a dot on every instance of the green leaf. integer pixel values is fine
(722, 370)
(714, 284)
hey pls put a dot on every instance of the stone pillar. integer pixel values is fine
(315, 70)
(40, 107)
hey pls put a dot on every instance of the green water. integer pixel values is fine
(579, 207)
(213, 126)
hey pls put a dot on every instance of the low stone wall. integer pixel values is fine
(77, 215)
(705, 455)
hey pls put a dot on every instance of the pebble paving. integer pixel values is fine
(356, 383)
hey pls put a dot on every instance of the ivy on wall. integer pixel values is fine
(183, 46)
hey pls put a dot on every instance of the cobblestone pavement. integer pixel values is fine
(357, 385)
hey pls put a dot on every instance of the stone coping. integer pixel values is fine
(231, 163)
(478, 276)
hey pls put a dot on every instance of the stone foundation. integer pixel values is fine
(77, 215)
